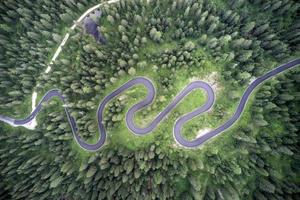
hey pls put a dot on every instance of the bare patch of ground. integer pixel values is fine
(213, 80)
(202, 132)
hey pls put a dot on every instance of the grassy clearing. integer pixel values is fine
(122, 136)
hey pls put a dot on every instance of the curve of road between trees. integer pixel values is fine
(148, 100)
(33, 123)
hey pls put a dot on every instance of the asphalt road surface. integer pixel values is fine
(147, 101)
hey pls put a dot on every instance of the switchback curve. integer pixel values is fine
(148, 100)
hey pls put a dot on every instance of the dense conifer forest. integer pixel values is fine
(228, 43)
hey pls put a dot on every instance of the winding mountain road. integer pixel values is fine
(148, 100)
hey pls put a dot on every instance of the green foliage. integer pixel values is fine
(256, 159)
